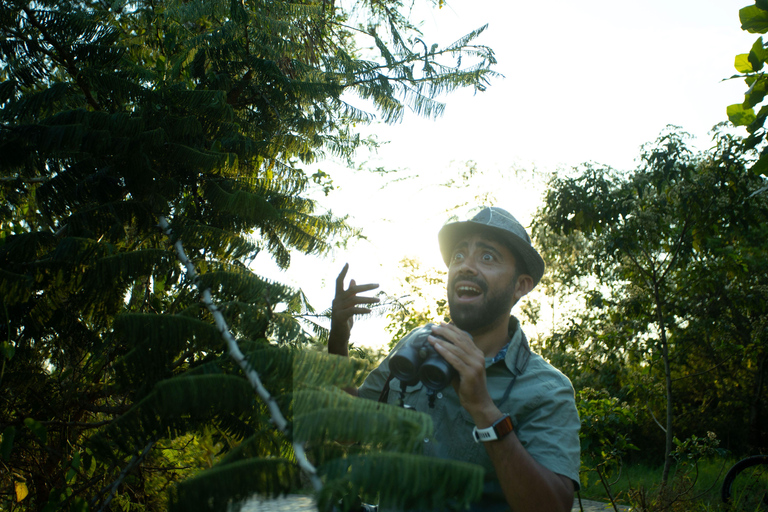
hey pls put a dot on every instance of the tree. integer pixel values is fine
(664, 259)
(420, 304)
(115, 116)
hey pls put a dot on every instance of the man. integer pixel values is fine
(519, 407)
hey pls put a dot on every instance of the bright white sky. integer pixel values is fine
(584, 81)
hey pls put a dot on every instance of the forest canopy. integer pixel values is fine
(150, 150)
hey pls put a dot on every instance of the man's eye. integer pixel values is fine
(488, 257)
(458, 256)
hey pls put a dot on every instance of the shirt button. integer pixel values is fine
(439, 395)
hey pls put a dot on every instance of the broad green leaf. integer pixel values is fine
(758, 54)
(158, 284)
(7, 444)
(742, 63)
(740, 116)
(753, 19)
(7, 350)
(756, 93)
(760, 167)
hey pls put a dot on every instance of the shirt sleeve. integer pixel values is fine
(549, 429)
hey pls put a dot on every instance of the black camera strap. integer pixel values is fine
(384, 395)
(521, 363)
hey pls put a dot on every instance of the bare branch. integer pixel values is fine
(11, 179)
(234, 351)
(127, 469)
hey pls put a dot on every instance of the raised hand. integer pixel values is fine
(346, 304)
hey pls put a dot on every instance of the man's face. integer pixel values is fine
(482, 283)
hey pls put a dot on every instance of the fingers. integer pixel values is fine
(340, 279)
(354, 300)
(358, 311)
(354, 288)
(347, 301)
(461, 351)
(456, 336)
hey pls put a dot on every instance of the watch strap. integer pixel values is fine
(499, 429)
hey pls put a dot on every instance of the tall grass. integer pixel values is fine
(691, 488)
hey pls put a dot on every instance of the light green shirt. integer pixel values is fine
(541, 404)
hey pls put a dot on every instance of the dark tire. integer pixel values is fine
(745, 486)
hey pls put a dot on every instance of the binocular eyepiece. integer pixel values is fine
(418, 361)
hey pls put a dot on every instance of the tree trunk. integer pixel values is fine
(668, 387)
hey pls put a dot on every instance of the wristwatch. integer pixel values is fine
(499, 429)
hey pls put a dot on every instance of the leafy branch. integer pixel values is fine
(237, 355)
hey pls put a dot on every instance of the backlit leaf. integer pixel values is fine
(740, 116)
(21, 491)
(756, 93)
(753, 19)
(742, 64)
(758, 54)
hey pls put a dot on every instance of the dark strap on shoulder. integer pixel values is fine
(384, 395)
(521, 363)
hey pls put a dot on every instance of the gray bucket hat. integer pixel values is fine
(502, 224)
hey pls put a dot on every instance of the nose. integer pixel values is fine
(467, 266)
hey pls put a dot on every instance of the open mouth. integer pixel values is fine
(468, 291)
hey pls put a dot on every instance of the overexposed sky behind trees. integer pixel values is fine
(583, 81)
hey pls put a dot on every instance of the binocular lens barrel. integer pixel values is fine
(404, 365)
(419, 361)
(436, 373)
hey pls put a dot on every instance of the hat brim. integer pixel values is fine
(450, 234)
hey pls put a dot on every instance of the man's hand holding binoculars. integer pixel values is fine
(469, 361)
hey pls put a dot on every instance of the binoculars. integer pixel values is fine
(418, 361)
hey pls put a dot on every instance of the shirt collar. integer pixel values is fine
(502, 353)
(516, 352)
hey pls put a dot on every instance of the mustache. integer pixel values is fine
(471, 279)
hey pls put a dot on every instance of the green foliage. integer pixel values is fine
(754, 19)
(604, 425)
(206, 113)
(604, 439)
(424, 300)
(666, 263)
(406, 480)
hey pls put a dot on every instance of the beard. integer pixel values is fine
(476, 318)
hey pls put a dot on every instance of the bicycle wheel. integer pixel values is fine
(745, 486)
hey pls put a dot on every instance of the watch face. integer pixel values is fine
(503, 426)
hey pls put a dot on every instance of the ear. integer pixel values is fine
(523, 286)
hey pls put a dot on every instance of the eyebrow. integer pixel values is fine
(489, 247)
(480, 244)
